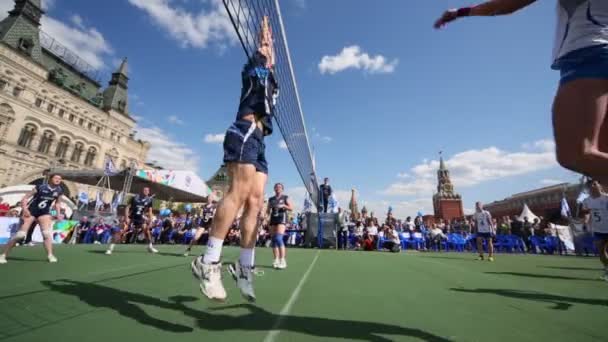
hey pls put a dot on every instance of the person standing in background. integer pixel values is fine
(326, 193)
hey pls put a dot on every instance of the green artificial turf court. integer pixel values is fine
(322, 296)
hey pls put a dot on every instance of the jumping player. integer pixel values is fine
(36, 207)
(139, 214)
(245, 159)
(278, 205)
(484, 230)
(597, 217)
(205, 224)
(581, 55)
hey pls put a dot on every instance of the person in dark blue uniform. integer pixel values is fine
(204, 224)
(37, 206)
(278, 206)
(244, 156)
(139, 215)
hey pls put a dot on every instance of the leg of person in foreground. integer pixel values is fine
(579, 108)
(602, 247)
(490, 248)
(242, 270)
(207, 268)
(26, 223)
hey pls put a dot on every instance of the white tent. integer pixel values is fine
(526, 212)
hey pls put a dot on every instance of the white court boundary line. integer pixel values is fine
(272, 334)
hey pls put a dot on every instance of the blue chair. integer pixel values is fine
(457, 242)
(405, 239)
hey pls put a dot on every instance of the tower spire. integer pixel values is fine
(20, 29)
(441, 163)
(116, 96)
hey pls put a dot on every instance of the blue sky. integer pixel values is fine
(382, 92)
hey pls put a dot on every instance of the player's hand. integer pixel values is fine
(448, 16)
(266, 44)
(26, 212)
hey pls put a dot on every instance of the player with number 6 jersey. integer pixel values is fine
(37, 206)
(596, 207)
(204, 225)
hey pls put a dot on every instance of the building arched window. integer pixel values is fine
(62, 147)
(77, 154)
(90, 158)
(46, 141)
(27, 136)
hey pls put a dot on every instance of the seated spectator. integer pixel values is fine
(437, 235)
(391, 239)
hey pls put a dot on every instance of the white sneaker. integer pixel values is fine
(97, 243)
(604, 277)
(109, 252)
(52, 259)
(282, 264)
(31, 244)
(244, 280)
(275, 264)
(210, 277)
(3, 259)
(152, 249)
(187, 253)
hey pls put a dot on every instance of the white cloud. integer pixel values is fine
(77, 20)
(175, 120)
(551, 182)
(191, 29)
(87, 42)
(352, 57)
(167, 152)
(214, 138)
(403, 175)
(472, 167)
(282, 145)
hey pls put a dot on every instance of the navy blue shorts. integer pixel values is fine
(589, 63)
(600, 236)
(484, 235)
(244, 143)
(36, 213)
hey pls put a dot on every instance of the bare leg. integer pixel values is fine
(602, 247)
(253, 205)
(480, 246)
(490, 247)
(281, 230)
(242, 178)
(579, 112)
(25, 226)
(46, 226)
(275, 249)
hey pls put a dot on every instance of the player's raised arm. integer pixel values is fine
(489, 8)
(288, 204)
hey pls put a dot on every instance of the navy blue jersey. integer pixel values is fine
(42, 201)
(277, 215)
(259, 92)
(208, 214)
(139, 206)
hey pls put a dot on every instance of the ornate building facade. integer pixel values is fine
(447, 204)
(53, 111)
(545, 202)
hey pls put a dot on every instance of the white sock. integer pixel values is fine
(214, 250)
(111, 247)
(247, 257)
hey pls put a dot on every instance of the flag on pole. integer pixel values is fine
(117, 200)
(582, 196)
(565, 208)
(99, 201)
(109, 169)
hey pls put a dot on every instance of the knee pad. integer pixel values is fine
(20, 235)
(47, 234)
(278, 241)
